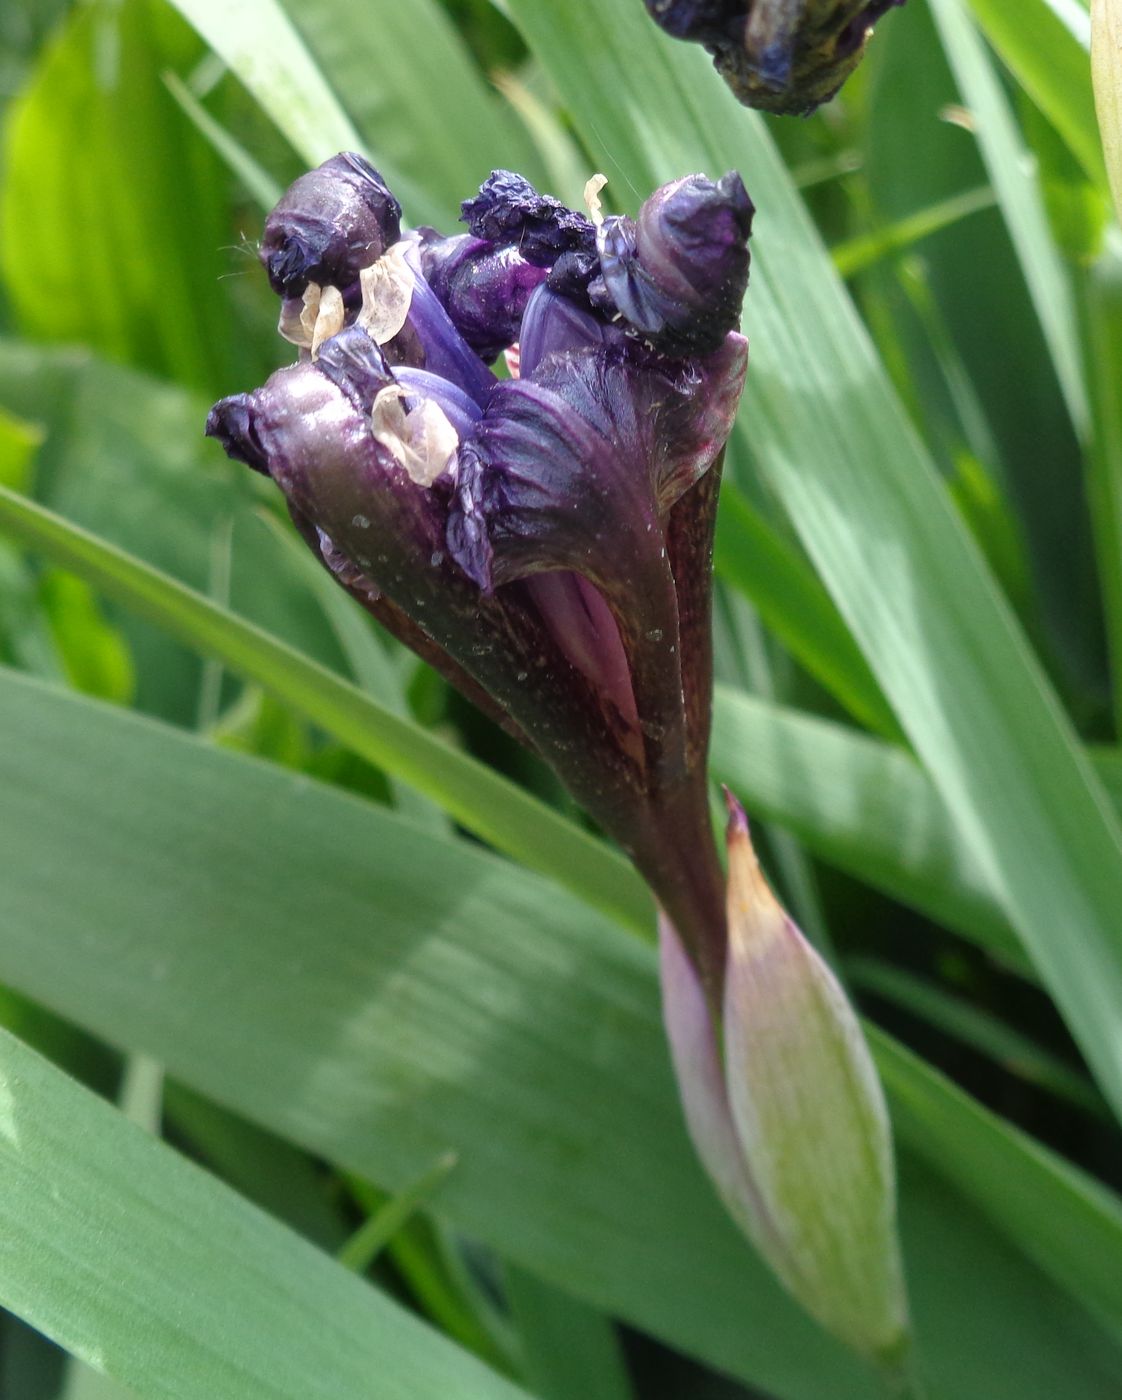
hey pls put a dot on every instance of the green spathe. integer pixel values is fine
(811, 1119)
(788, 1116)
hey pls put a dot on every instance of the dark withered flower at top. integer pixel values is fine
(543, 540)
(686, 250)
(784, 56)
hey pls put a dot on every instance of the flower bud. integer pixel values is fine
(790, 1121)
(545, 542)
(678, 273)
(784, 56)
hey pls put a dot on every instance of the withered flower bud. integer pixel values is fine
(784, 56)
(329, 224)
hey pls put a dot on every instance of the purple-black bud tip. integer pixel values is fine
(231, 422)
(329, 224)
(353, 362)
(678, 273)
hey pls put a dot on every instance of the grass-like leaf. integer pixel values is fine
(1044, 43)
(151, 1271)
(381, 996)
(1014, 181)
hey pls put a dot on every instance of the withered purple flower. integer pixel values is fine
(785, 56)
(544, 541)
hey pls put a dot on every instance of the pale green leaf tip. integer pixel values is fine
(1106, 72)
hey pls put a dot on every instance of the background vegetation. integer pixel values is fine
(331, 1062)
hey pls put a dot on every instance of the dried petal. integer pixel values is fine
(508, 212)
(420, 436)
(387, 294)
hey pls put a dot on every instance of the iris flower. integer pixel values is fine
(545, 541)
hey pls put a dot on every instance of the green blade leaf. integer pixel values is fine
(782, 587)
(570, 1350)
(256, 39)
(1007, 1174)
(257, 181)
(971, 1025)
(437, 140)
(149, 1270)
(1018, 193)
(857, 254)
(372, 1236)
(381, 995)
(861, 805)
(486, 803)
(1047, 54)
(833, 442)
(80, 225)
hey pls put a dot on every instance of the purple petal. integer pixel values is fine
(678, 273)
(693, 411)
(554, 325)
(382, 535)
(329, 224)
(583, 626)
(483, 289)
(439, 346)
(558, 477)
(555, 477)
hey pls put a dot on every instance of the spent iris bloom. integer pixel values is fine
(545, 540)
(784, 56)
